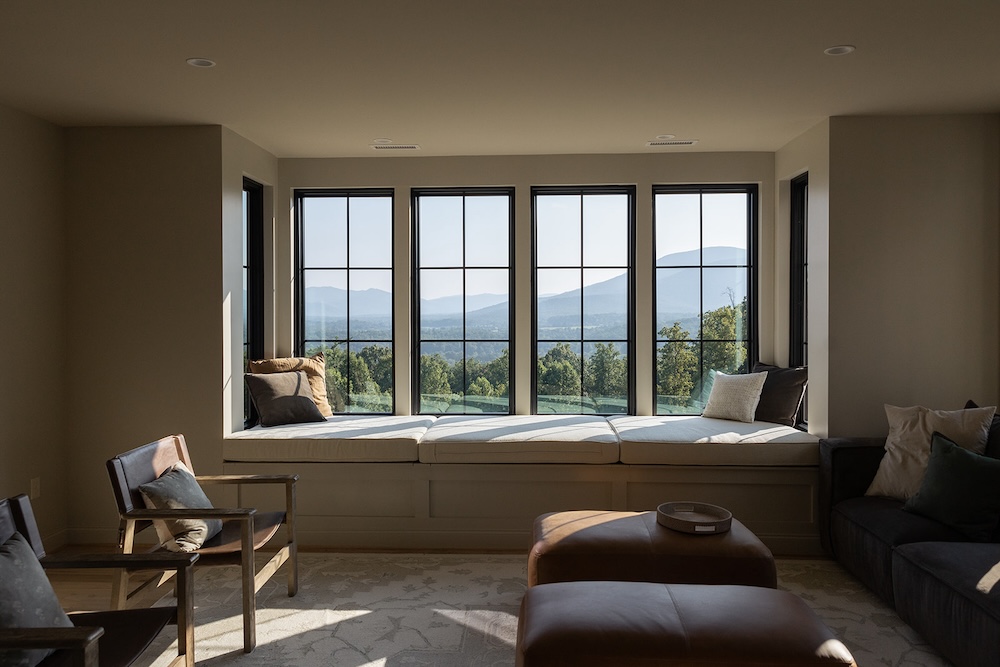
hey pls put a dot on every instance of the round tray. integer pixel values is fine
(694, 518)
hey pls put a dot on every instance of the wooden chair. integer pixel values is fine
(244, 530)
(105, 638)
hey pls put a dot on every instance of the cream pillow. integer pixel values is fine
(908, 445)
(735, 397)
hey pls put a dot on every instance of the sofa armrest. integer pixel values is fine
(847, 467)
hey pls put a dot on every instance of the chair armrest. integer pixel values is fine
(223, 513)
(36, 638)
(247, 479)
(847, 467)
(159, 560)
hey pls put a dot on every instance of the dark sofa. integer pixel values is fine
(927, 571)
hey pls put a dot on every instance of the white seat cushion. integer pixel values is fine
(684, 440)
(520, 439)
(341, 438)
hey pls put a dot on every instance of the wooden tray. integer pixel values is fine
(694, 518)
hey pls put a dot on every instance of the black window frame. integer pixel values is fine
(253, 336)
(298, 197)
(798, 273)
(415, 195)
(752, 190)
(630, 191)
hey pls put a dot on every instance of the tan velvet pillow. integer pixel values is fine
(908, 445)
(314, 367)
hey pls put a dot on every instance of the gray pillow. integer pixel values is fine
(283, 398)
(734, 397)
(178, 489)
(26, 599)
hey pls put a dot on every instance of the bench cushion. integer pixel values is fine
(520, 439)
(342, 438)
(704, 441)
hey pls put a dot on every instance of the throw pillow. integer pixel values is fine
(28, 598)
(315, 368)
(781, 397)
(961, 489)
(993, 439)
(908, 445)
(283, 398)
(178, 489)
(734, 397)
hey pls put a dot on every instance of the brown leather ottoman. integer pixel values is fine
(598, 545)
(625, 623)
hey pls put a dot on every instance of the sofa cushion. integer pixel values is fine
(865, 530)
(314, 367)
(949, 593)
(692, 440)
(520, 439)
(283, 398)
(961, 489)
(345, 439)
(735, 396)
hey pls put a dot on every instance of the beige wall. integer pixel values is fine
(33, 333)
(403, 173)
(807, 153)
(913, 279)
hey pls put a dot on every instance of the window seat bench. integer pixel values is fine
(478, 482)
(676, 440)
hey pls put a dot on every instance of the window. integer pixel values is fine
(253, 282)
(344, 293)
(583, 292)
(463, 306)
(704, 290)
(799, 272)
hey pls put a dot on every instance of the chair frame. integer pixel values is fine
(134, 519)
(83, 641)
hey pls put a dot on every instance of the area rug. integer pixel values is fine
(453, 610)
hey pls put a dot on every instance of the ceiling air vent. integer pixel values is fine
(395, 147)
(657, 143)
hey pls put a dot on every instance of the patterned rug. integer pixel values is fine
(453, 610)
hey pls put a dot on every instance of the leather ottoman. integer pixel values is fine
(624, 624)
(596, 545)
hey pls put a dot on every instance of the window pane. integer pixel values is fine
(371, 232)
(324, 232)
(371, 304)
(605, 230)
(678, 229)
(369, 377)
(441, 300)
(724, 228)
(559, 308)
(487, 304)
(487, 224)
(557, 233)
(440, 231)
(677, 377)
(605, 377)
(325, 304)
(487, 377)
(605, 304)
(442, 369)
(559, 378)
(678, 301)
(729, 357)
(725, 292)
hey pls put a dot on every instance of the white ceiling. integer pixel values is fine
(323, 78)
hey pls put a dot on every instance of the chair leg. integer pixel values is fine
(120, 580)
(247, 568)
(293, 545)
(184, 592)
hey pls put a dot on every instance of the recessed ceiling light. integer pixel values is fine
(200, 62)
(841, 50)
(664, 137)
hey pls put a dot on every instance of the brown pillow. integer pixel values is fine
(314, 367)
(283, 398)
(781, 397)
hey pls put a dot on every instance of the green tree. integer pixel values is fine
(378, 358)
(676, 366)
(559, 371)
(726, 326)
(434, 372)
(480, 387)
(497, 372)
(605, 372)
